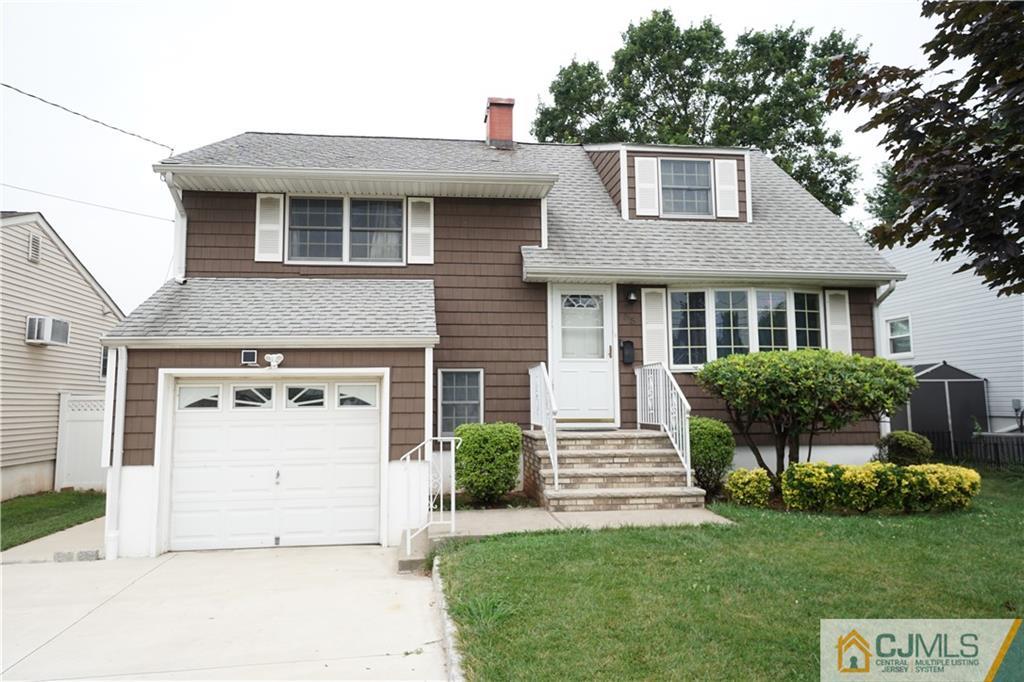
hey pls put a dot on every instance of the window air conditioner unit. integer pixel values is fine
(44, 331)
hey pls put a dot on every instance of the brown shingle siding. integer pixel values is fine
(609, 169)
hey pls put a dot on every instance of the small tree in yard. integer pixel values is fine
(803, 392)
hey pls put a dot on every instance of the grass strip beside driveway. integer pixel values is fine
(735, 602)
(34, 516)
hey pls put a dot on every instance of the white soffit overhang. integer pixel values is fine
(668, 277)
(330, 181)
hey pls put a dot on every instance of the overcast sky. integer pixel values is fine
(190, 73)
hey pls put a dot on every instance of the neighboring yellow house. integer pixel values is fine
(52, 315)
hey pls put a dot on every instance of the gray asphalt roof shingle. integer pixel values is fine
(294, 307)
(791, 232)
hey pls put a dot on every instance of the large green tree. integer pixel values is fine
(673, 85)
(884, 201)
(954, 131)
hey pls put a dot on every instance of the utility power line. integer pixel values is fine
(88, 203)
(89, 118)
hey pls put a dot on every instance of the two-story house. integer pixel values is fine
(340, 300)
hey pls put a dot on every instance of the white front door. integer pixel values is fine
(260, 463)
(583, 354)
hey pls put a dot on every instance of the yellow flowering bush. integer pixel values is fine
(750, 487)
(938, 486)
(819, 486)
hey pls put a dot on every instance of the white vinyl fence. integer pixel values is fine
(79, 442)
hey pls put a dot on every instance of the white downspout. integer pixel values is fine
(113, 438)
(180, 229)
(885, 423)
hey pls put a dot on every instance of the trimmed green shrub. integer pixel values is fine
(711, 450)
(812, 486)
(904, 448)
(878, 485)
(750, 487)
(938, 486)
(487, 462)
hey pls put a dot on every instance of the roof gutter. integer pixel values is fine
(634, 276)
(154, 342)
(480, 177)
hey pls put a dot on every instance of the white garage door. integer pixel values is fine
(265, 463)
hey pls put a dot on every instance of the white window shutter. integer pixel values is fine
(655, 325)
(269, 227)
(645, 172)
(727, 189)
(837, 315)
(421, 231)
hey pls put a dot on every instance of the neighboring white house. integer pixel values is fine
(52, 315)
(940, 315)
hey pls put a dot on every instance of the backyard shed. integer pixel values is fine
(947, 407)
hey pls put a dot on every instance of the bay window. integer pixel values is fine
(706, 324)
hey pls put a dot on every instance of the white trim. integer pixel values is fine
(691, 148)
(346, 231)
(887, 331)
(114, 439)
(428, 394)
(407, 226)
(712, 199)
(177, 398)
(544, 223)
(630, 275)
(180, 228)
(163, 445)
(747, 183)
(38, 220)
(666, 325)
(624, 183)
(284, 342)
(440, 386)
(643, 167)
(729, 169)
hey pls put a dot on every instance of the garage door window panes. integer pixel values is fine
(198, 397)
(357, 395)
(461, 400)
(306, 396)
(253, 396)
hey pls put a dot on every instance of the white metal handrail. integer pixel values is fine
(437, 464)
(660, 402)
(544, 410)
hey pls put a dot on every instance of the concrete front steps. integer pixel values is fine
(608, 471)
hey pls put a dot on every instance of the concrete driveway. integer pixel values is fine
(323, 612)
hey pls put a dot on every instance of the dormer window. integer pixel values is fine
(686, 187)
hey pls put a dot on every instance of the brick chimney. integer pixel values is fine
(499, 122)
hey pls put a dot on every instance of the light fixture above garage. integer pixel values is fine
(274, 359)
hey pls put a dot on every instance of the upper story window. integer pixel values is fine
(899, 336)
(343, 230)
(686, 187)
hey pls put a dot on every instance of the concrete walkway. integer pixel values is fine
(483, 522)
(311, 612)
(84, 538)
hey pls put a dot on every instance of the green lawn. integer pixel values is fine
(34, 516)
(737, 602)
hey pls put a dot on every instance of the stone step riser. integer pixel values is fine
(603, 482)
(619, 460)
(628, 446)
(623, 504)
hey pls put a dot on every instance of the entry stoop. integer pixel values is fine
(607, 471)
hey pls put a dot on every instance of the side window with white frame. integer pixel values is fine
(460, 398)
(316, 229)
(807, 319)
(104, 361)
(355, 231)
(375, 230)
(198, 397)
(689, 328)
(899, 336)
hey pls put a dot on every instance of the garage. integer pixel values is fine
(283, 462)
